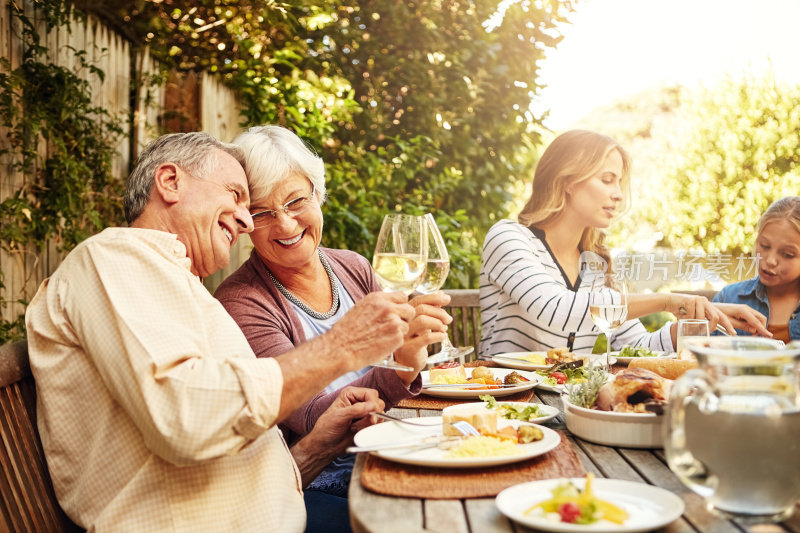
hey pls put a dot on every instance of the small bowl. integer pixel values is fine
(629, 430)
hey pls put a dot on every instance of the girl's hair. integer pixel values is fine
(572, 157)
(787, 209)
(272, 154)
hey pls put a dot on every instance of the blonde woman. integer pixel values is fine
(532, 294)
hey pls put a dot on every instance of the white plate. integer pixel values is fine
(499, 373)
(392, 432)
(548, 412)
(661, 355)
(649, 507)
(512, 360)
(551, 388)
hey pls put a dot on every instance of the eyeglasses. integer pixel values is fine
(291, 208)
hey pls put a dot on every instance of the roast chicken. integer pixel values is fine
(634, 390)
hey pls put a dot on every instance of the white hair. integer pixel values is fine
(272, 154)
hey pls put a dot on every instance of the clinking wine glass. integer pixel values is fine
(608, 306)
(399, 261)
(436, 270)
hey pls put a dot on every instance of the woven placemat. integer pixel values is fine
(394, 479)
(423, 401)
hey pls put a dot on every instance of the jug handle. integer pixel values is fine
(693, 387)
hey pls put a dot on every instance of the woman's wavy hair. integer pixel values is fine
(573, 157)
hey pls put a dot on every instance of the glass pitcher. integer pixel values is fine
(733, 427)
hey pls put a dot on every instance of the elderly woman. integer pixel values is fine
(291, 290)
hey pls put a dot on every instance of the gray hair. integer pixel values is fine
(194, 152)
(272, 154)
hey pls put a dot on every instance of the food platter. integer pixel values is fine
(393, 432)
(649, 507)
(500, 373)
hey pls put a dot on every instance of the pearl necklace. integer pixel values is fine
(302, 305)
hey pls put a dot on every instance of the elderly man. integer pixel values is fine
(154, 413)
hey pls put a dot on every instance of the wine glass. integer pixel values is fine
(399, 261)
(608, 306)
(436, 269)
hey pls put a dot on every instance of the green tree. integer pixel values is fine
(418, 105)
(737, 150)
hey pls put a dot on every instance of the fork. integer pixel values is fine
(381, 414)
(462, 426)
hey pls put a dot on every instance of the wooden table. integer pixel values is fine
(376, 513)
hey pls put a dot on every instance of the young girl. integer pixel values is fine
(532, 294)
(775, 291)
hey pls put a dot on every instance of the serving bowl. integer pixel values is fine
(610, 428)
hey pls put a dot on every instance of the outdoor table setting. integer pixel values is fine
(427, 490)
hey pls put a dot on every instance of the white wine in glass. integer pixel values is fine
(436, 271)
(608, 306)
(399, 261)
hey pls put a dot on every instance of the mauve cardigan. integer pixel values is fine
(271, 326)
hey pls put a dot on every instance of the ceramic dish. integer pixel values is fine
(648, 507)
(393, 432)
(629, 430)
(499, 373)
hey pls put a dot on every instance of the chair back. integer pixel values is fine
(27, 499)
(465, 308)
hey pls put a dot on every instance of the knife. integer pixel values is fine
(417, 444)
(474, 385)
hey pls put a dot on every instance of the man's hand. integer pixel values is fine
(375, 326)
(335, 429)
(428, 326)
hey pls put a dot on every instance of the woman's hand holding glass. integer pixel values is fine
(429, 326)
(436, 271)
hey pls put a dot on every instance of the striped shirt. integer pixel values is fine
(528, 305)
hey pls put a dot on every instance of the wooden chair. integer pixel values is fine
(27, 499)
(465, 308)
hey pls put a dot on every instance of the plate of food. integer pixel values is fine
(589, 505)
(536, 360)
(629, 353)
(536, 413)
(522, 360)
(625, 409)
(501, 441)
(453, 380)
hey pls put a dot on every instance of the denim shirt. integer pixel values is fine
(753, 293)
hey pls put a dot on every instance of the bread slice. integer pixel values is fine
(481, 418)
(452, 372)
(667, 368)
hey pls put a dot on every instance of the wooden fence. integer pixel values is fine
(204, 104)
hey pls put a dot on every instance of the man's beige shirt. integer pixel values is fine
(154, 413)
